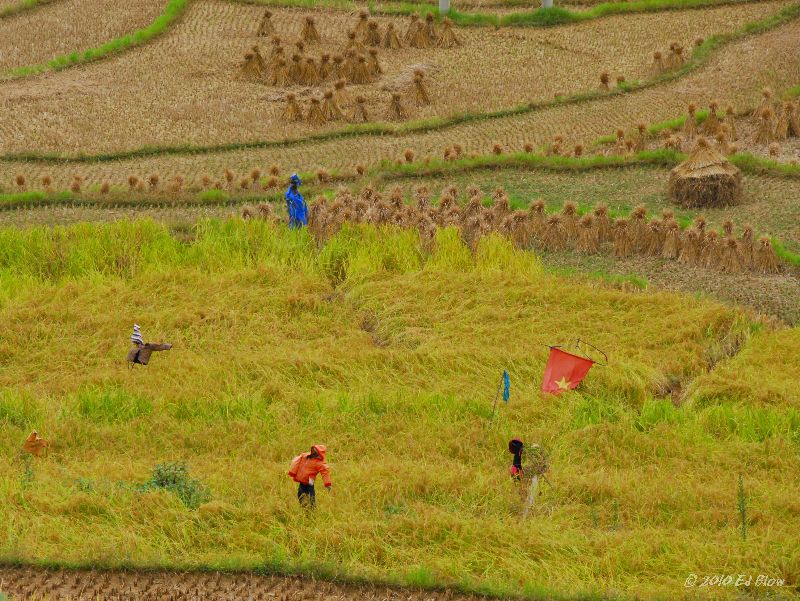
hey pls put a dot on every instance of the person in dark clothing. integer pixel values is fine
(516, 447)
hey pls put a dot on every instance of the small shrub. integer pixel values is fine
(174, 477)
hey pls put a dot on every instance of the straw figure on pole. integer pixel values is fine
(705, 179)
(266, 28)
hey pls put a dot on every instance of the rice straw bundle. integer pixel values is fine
(430, 30)
(373, 35)
(536, 218)
(730, 121)
(373, 65)
(730, 257)
(418, 35)
(266, 28)
(254, 67)
(413, 25)
(396, 111)
(421, 97)
(747, 246)
(447, 38)
(310, 75)
(390, 39)
(655, 238)
(675, 58)
(727, 227)
(361, 74)
(577, 151)
(309, 34)
(301, 47)
(296, 69)
(427, 234)
(622, 240)
(359, 112)
(619, 145)
(292, 111)
(782, 124)
(588, 242)
(569, 221)
(766, 127)
(667, 215)
(794, 120)
(276, 55)
(330, 110)
(339, 92)
(711, 125)
(518, 229)
(672, 240)
(423, 197)
(690, 126)
(657, 67)
(354, 43)
(554, 237)
(604, 79)
(765, 259)
(337, 70)
(325, 67)
(638, 228)
(315, 115)
(766, 103)
(362, 25)
(710, 254)
(602, 222)
(690, 249)
(641, 138)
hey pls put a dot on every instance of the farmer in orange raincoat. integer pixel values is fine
(304, 470)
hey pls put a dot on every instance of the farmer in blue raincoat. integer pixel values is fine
(295, 204)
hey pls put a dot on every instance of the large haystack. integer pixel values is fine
(705, 179)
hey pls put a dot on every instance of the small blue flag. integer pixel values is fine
(506, 386)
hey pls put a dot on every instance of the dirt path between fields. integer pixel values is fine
(37, 583)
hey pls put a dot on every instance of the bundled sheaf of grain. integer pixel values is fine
(447, 37)
(602, 222)
(536, 219)
(766, 127)
(152, 180)
(712, 123)
(554, 237)
(774, 149)
(672, 240)
(296, 69)
(569, 221)
(430, 29)
(359, 112)
(413, 24)
(276, 54)
(423, 198)
(578, 151)
(373, 64)
(794, 120)
(690, 126)
(315, 116)
(373, 34)
(766, 103)
(337, 68)
(47, 182)
(420, 92)
(519, 232)
(292, 112)
(658, 66)
(604, 79)
(362, 24)
(20, 181)
(340, 93)
(622, 239)
(655, 238)
(325, 67)
(782, 123)
(330, 109)
(730, 256)
(705, 179)
(766, 261)
(354, 44)
(427, 234)
(360, 73)
(641, 138)
(280, 74)
(588, 242)
(730, 122)
(619, 145)
(254, 67)
(690, 249)
(417, 35)
(309, 34)
(676, 57)
(747, 246)
(396, 110)
(310, 74)
(710, 254)
(391, 40)
(638, 228)
(266, 28)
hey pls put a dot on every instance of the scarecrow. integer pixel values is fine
(295, 204)
(141, 351)
(304, 470)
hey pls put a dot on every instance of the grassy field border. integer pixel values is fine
(172, 11)
(700, 56)
(22, 6)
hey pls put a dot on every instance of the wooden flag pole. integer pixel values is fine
(497, 394)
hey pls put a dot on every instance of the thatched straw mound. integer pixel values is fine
(705, 179)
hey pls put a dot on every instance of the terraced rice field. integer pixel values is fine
(183, 88)
(37, 36)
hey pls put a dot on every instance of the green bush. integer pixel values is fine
(174, 478)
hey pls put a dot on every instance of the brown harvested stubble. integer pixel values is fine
(232, 110)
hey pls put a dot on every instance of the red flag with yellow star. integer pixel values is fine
(564, 371)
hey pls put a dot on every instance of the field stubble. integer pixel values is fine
(183, 88)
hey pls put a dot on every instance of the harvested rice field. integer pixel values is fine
(185, 87)
(58, 28)
(512, 199)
